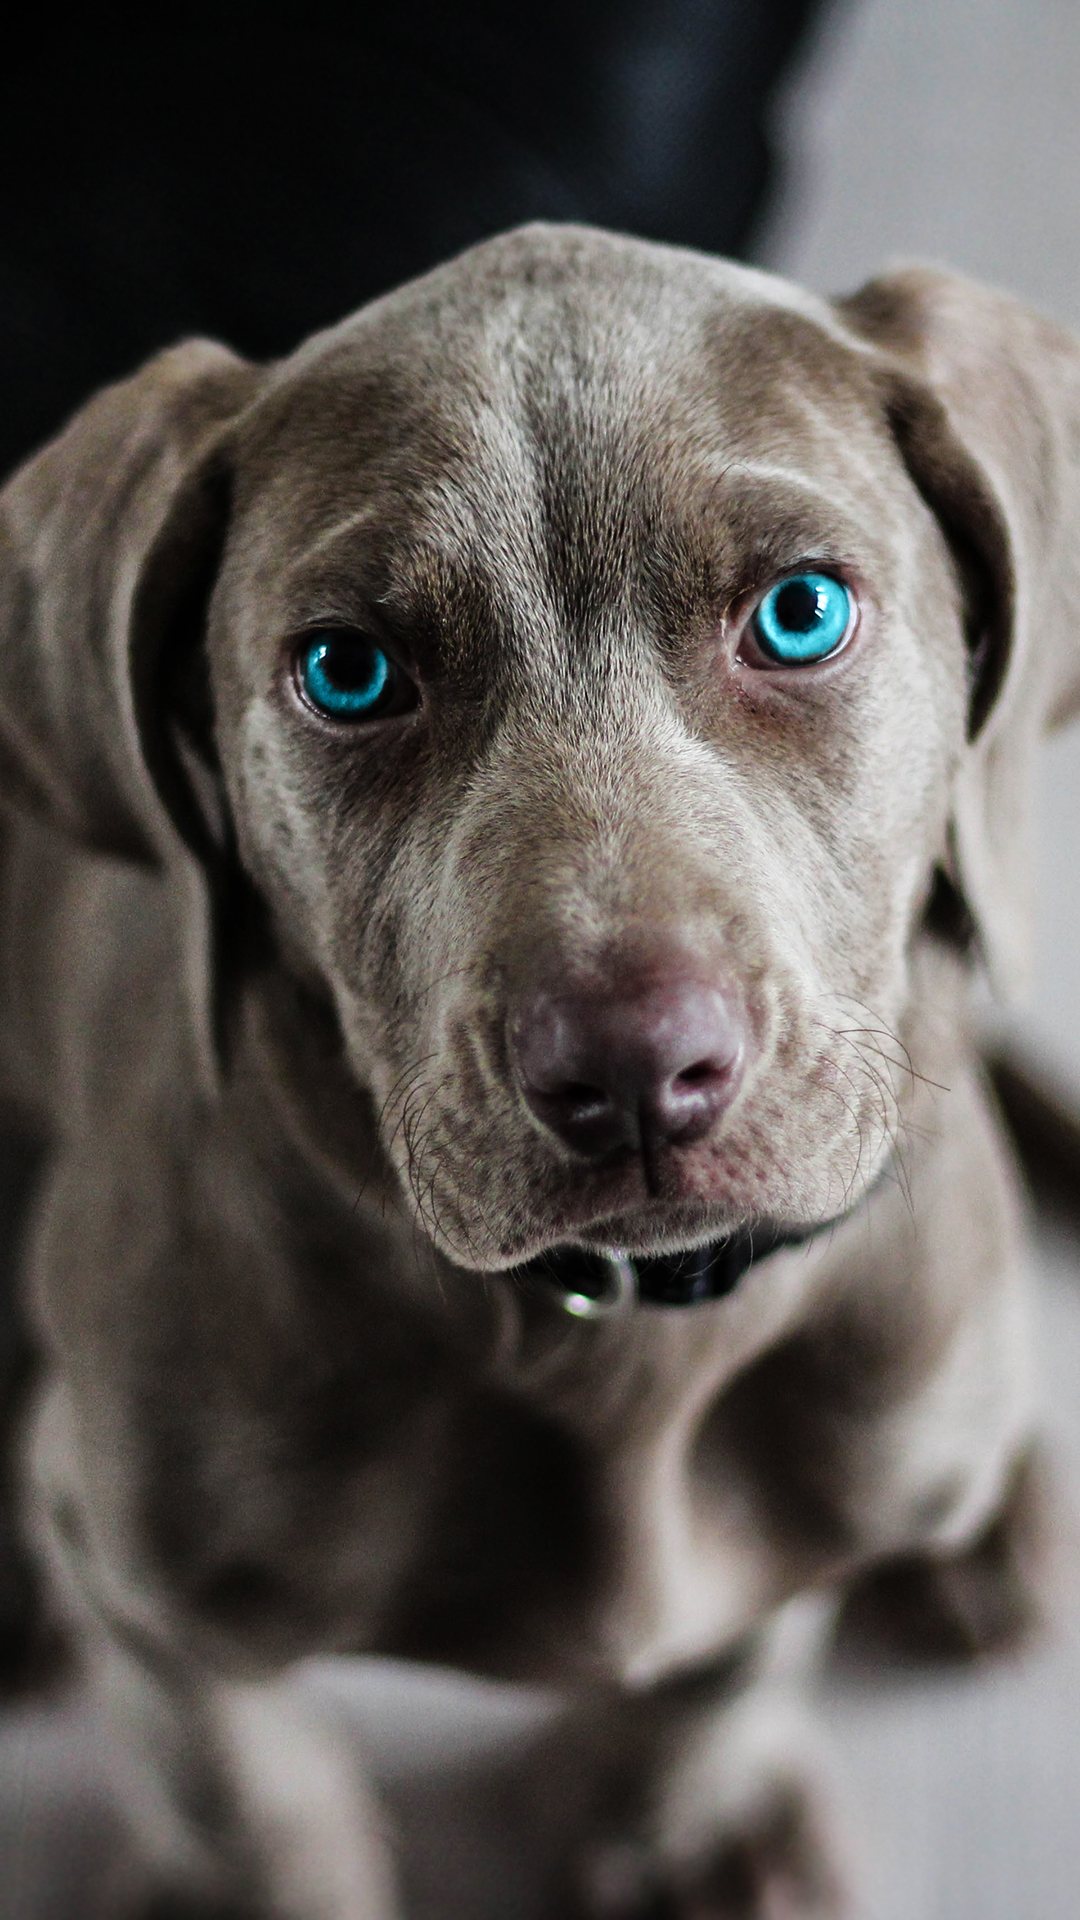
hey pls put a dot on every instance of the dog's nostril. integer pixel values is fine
(684, 1107)
(699, 1075)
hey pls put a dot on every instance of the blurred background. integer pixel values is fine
(259, 172)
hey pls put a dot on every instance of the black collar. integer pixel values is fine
(594, 1285)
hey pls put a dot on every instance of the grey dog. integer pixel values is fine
(522, 1193)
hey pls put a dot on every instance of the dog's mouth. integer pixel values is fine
(595, 1283)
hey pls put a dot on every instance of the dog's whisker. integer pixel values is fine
(404, 1079)
(881, 1029)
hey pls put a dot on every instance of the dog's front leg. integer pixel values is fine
(243, 1795)
(699, 1798)
(243, 1798)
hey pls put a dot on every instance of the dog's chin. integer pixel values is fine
(640, 1233)
(643, 1225)
(661, 1229)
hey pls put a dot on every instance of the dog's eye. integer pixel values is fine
(345, 676)
(803, 618)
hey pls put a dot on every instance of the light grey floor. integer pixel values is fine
(947, 131)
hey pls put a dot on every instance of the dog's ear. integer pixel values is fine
(983, 397)
(109, 541)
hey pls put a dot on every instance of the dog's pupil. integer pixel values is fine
(351, 664)
(797, 606)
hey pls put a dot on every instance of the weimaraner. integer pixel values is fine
(506, 812)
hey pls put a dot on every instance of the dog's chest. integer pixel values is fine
(598, 1506)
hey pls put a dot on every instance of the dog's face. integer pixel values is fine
(543, 497)
(615, 892)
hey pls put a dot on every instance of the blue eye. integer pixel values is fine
(345, 676)
(803, 618)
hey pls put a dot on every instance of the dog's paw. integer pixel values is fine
(989, 1598)
(780, 1866)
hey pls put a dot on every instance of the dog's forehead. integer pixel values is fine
(623, 332)
(556, 388)
(545, 287)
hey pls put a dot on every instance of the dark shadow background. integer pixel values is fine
(255, 172)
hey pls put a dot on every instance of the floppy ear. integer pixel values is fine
(984, 399)
(109, 539)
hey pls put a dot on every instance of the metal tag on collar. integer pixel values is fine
(618, 1293)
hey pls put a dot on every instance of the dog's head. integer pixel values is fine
(601, 661)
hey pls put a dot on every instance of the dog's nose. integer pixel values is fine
(606, 1071)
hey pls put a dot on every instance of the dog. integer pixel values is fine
(507, 814)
